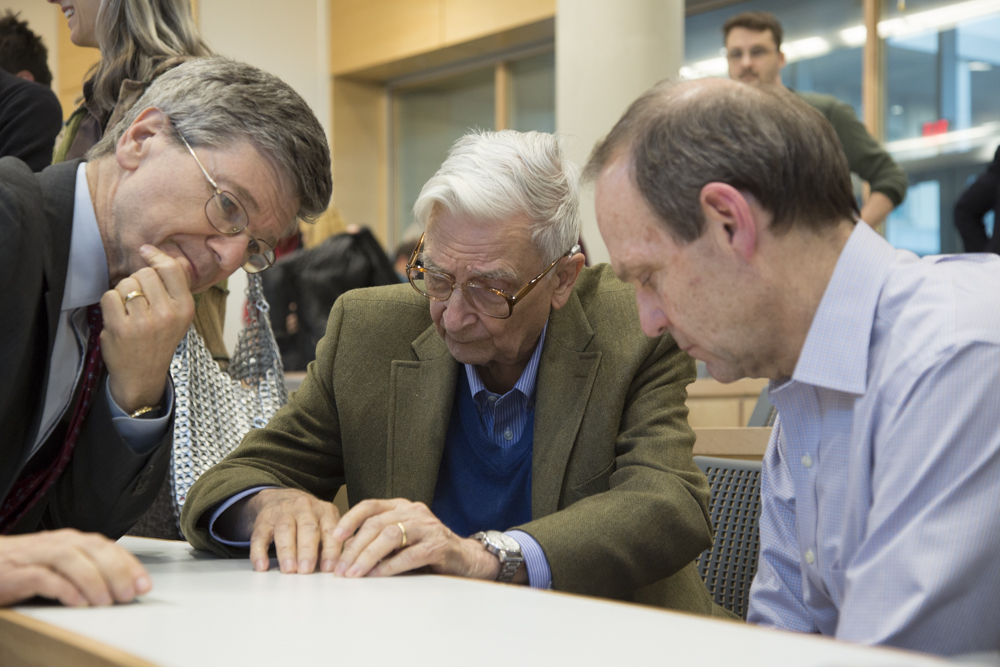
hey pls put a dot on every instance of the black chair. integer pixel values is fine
(729, 566)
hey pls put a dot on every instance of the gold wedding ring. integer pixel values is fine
(133, 295)
(402, 528)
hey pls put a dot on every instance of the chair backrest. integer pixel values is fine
(763, 412)
(729, 566)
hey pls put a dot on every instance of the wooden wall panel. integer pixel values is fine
(364, 33)
(73, 63)
(471, 19)
(360, 117)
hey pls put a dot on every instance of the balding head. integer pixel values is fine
(763, 141)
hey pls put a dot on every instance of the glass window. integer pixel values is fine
(942, 66)
(823, 44)
(916, 224)
(428, 120)
(533, 94)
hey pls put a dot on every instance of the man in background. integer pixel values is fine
(30, 114)
(753, 49)
(730, 208)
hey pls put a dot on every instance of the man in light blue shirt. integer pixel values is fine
(730, 208)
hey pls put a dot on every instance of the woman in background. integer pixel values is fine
(139, 40)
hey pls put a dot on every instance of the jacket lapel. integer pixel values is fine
(566, 375)
(422, 393)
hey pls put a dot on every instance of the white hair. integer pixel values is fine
(494, 177)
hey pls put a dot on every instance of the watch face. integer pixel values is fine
(505, 542)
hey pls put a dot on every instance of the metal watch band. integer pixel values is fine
(510, 559)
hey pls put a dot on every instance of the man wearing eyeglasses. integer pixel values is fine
(753, 49)
(501, 417)
(99, 263)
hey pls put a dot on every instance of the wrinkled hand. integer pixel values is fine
(140, 336)
(297, 523)
(77, 569)
(373, 540)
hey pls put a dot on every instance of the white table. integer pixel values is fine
(209, 611)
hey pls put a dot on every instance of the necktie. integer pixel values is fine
(29, 489)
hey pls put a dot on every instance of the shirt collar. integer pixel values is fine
(835, 354)
(87, 273)
(525, 384)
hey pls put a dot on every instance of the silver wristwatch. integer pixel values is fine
(506, 549)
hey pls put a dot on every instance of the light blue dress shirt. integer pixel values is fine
(880, 519)
(504, 418)
(86, 282)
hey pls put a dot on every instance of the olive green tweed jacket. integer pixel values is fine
(618, 505)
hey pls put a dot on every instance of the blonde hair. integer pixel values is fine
(136, 36)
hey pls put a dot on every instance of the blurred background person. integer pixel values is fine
(753, 51)
(30, 113)
(972, 207)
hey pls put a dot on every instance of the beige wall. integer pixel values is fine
(368, 33)
(289, 40)
(607, 54)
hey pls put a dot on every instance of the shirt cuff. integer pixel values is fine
(226, 505)
(142, 435)
(539, 575)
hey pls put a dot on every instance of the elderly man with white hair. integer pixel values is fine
(501, 417)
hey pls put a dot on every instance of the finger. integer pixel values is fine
(112, 310)
(367, 533)
(31, 580)
(122, 572)
(411, 558)
(307, 536)
(260, 543)
(175, 278)
(73, 563)
(357, 515)
(285, 543)
(151, 287)
(387, 541)
(331, 545)
(127, 285)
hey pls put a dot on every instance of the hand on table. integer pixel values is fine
(367, 541)
(386, 537)
(298, 523)
(140, 336)
(77, 569)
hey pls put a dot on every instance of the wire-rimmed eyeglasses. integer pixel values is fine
(496, 303)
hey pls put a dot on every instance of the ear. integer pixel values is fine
(727, 213)
(781, 58)
(567, 271)
(135, 144)
(26, 75)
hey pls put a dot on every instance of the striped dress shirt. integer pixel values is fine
(880, 519)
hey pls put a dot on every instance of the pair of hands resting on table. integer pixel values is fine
(366, 542)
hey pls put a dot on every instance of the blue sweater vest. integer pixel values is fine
(481, 486)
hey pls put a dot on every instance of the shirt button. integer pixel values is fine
(508, 435)
(807, 461)
(492, 399)
(810, 557)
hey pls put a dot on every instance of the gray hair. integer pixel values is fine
(493, 177)
(762, 140)
(216, 102)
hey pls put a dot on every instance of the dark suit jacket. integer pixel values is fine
(106, 486)
(618, 505)
(30, 120)
(974, 204)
